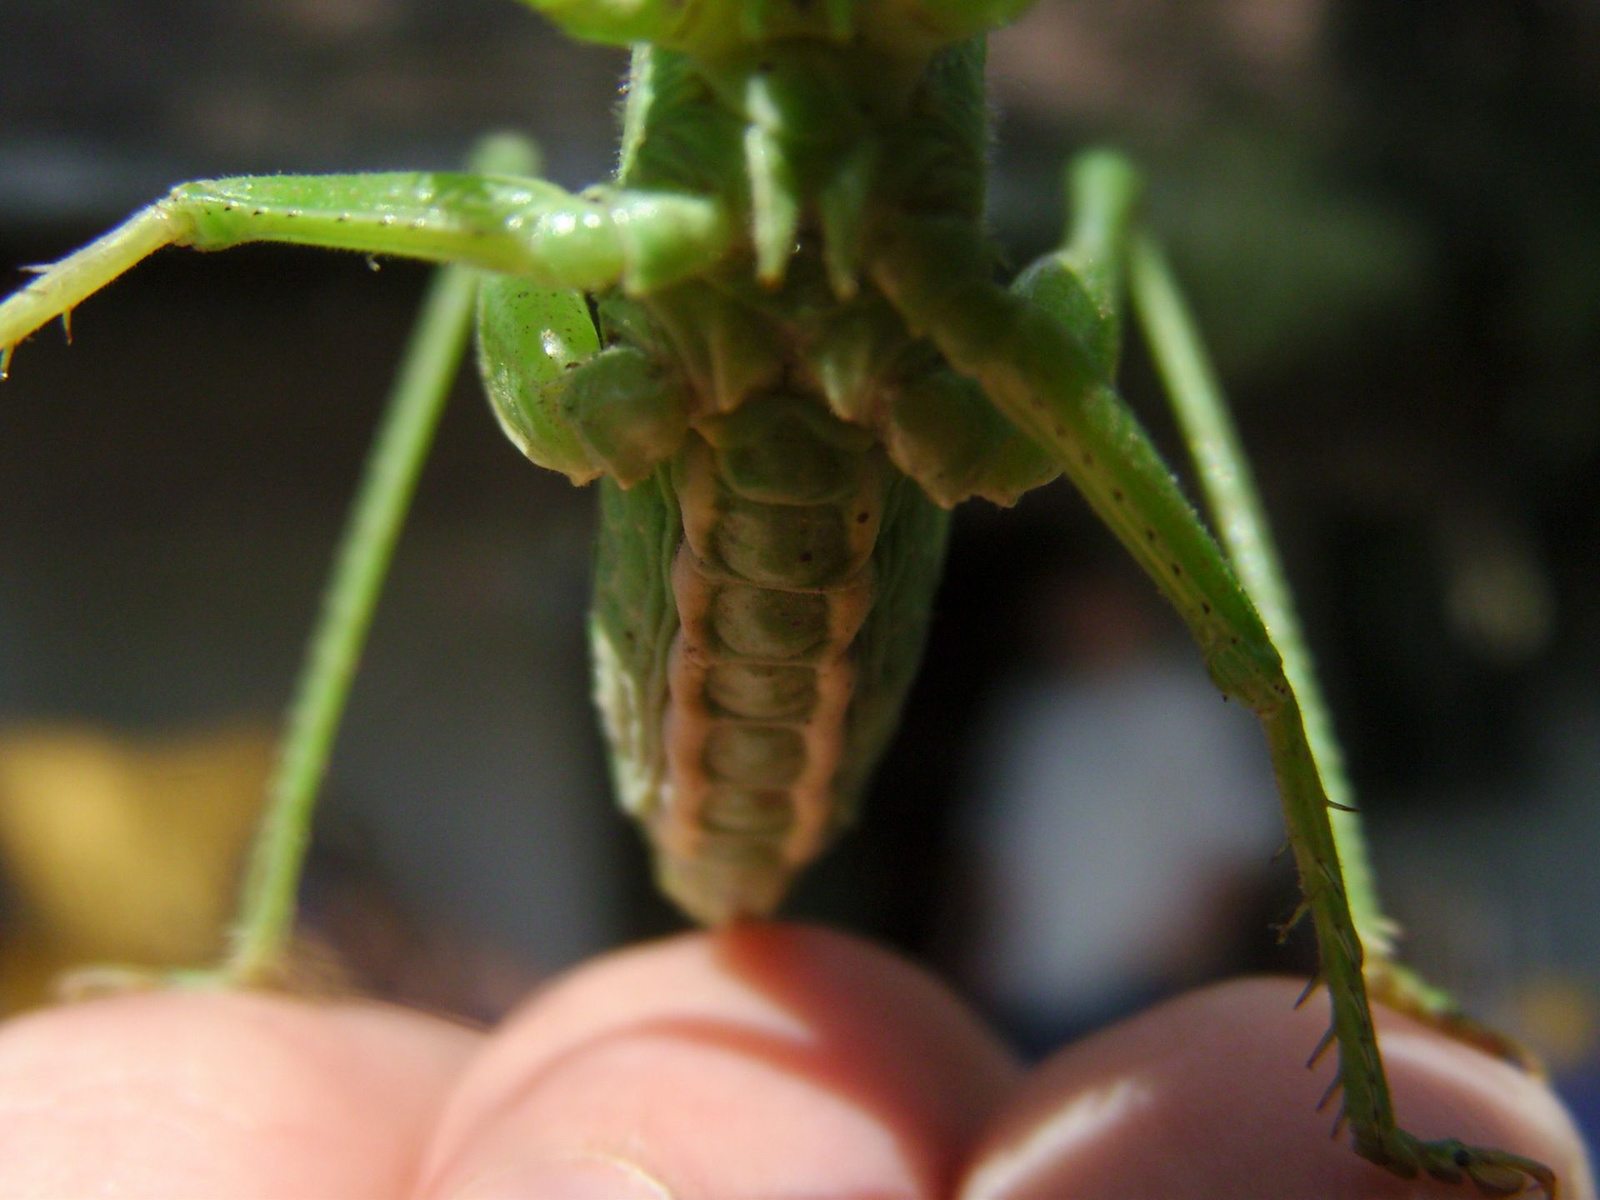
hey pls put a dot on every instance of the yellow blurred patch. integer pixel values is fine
(1560, 1015)
(121, 850)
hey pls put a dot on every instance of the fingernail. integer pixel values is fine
(588, 1178)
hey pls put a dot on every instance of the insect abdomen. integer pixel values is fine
(744, 725)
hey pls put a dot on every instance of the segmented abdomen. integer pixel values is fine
(760, 609)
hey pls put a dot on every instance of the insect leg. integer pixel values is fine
(1056, 389)
(1228, 485)
(497, 222)
(262, 931)
(1082, 283)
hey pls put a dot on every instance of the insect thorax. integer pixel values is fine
(781, 451)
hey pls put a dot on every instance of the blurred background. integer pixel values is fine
(1387, 217)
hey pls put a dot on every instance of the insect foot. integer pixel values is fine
(98, 982)
(307, 969)
(1492, 1172)
(1398, 987)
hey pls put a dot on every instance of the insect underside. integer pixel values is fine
(764, 579)
(781, 633)
(777, 336)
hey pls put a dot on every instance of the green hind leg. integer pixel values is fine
(258, 953)
(1229, 488)
(1044, 354)
(1228, 485)
(260, 939)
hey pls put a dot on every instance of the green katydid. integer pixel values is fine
(776, 339)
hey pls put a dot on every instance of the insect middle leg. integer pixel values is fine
(1044, 354)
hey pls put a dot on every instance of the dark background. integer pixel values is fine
(1387, 217)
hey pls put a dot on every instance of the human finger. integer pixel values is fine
(208, 1094)
(1208, 1095)
(758, 1060)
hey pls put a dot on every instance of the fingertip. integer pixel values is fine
(219, 1094)
(1208, 1094)
(716, 1064)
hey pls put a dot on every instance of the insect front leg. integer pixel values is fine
(1043, 355)
(494, 221)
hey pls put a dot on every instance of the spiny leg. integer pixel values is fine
(1104, 189)
(1228, 484)
(1029, 360)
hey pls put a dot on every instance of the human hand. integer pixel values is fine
(764, 1062)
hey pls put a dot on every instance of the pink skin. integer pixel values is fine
(766, 1062)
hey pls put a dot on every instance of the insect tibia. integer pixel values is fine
(1247, 670)
(60, 287)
